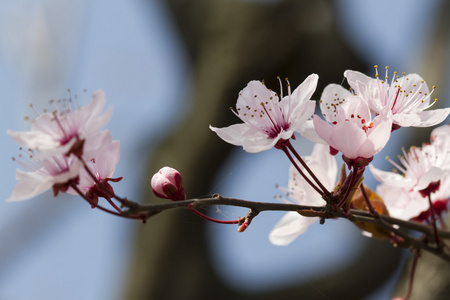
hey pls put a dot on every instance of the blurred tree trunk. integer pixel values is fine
(231, 43)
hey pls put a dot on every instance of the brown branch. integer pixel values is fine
(396, 226)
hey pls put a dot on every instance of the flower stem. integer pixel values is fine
(349, 188)
(137, 217)
(433, 222)
(113, 204)
(191, 207)
(411, 274)
(286, 151)
(319, 183)
(366, 198)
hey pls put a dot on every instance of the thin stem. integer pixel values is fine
(299, 158)
(191, 208)
(411, 274)
(113, 204)
(366, 198)
(286, 151)
(349, 188)
(433, 221)
(79, 192)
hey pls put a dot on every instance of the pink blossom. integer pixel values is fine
(167, 183)
(292, 224)
(407, 97)
(66, 127)
(419, 167)
(424, 172)
(349, 126)
(57, 143)
(268, 121)
(406, 204)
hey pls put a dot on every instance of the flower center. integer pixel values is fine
(62, 123)
(416, 162)
(51, 166)
(264, 111)
(403, 94)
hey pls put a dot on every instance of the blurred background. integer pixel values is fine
(169, 69)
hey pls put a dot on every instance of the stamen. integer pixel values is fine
(396, 165)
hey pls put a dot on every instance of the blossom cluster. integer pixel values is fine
(66, 150)
(358, 123)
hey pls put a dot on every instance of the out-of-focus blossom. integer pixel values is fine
(419, 167)
(167, 183)
(440, 137)
(67, 128)
(268, 121)
(57, 144)
(425, 172)
(410, 205)
(407, 96)
(349, 126)
(292, 224)
(101, 166)
(57, 172)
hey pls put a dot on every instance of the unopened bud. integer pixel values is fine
(167, 183)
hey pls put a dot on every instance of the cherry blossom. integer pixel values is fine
(407, 96)
(419, 167)
(268, 121)
(349, 126)
(67, 127)
(407, 204)
(292, 224)
(425, 172)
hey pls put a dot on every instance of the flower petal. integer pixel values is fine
(390, 178)
(308, 131)
(29, 184)
(290, 226)
(303, 93)
(332, 97)
(432, 117)
(245, 135)
(107, 160)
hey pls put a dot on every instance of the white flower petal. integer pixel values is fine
(430, 118)
(29, 184)
(308, 131)
(391, 178)
(107, 160)
(302, 94)
(434, 174)
(333, 96)
(33, 139)
(289, 228)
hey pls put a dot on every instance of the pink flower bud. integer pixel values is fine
(167, 183)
